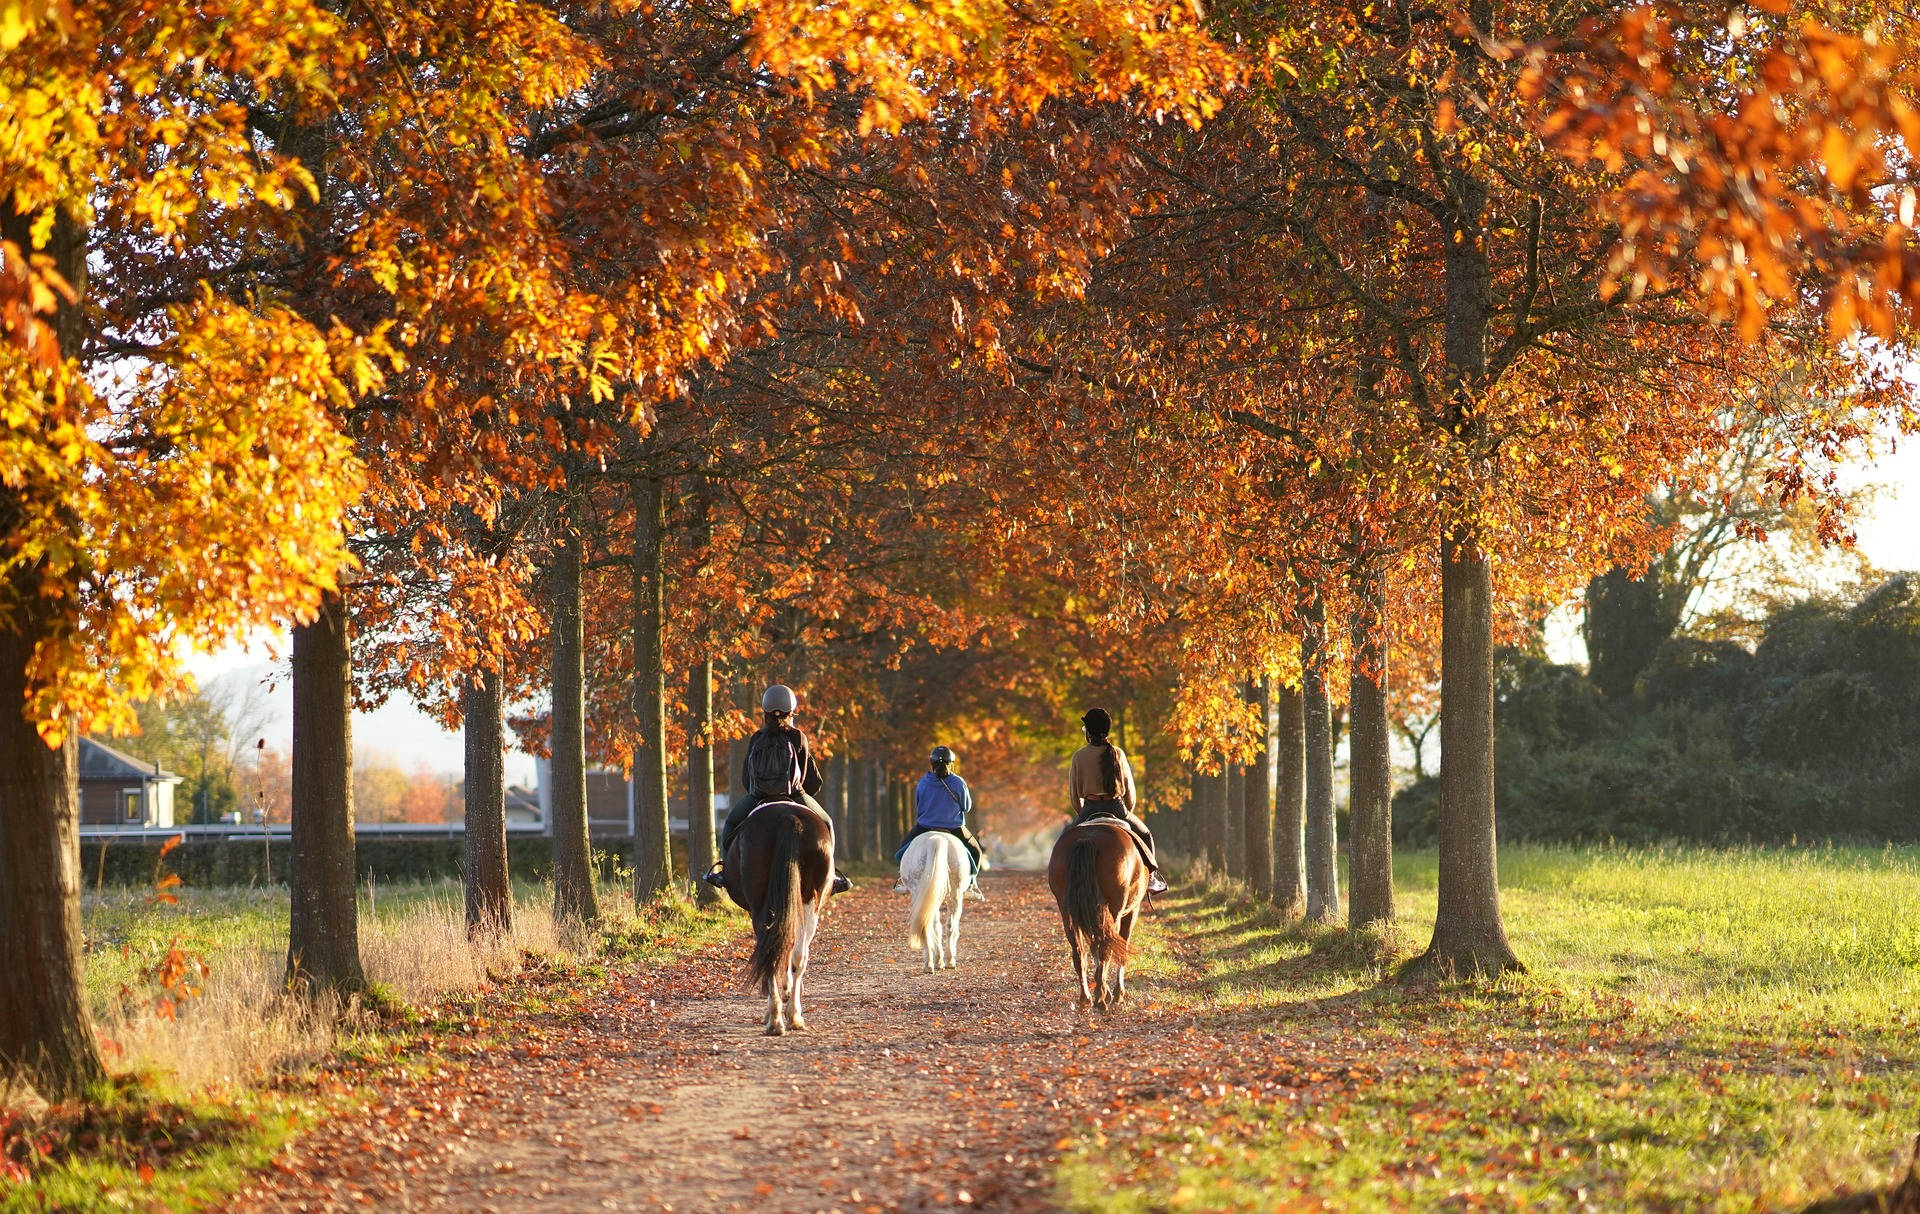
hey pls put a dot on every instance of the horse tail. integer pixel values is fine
(776, 924)
(927, 896)
(1087, 907)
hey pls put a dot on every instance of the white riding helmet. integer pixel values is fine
(779, 698)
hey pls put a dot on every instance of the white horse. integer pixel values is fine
(935, 871)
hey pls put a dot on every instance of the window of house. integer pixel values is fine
(130, 808)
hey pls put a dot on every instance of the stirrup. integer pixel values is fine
(841, 884)
(1156, 884)
(714, 876)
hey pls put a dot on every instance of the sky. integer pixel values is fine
(1889, 535)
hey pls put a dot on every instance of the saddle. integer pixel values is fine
(1113, 813)
(782, 803)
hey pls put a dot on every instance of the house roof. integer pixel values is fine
(99, 761)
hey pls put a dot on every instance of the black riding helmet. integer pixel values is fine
(1098, 723)
(941, 757)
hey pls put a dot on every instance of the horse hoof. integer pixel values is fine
(776, 1030)
(798, 1026)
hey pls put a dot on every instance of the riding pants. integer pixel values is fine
(737, 813)
(1112, 808)
(961, 833)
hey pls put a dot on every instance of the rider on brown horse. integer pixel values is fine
(779, 767)
(1101, 784)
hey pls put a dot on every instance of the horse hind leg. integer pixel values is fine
(1083, 996)
(803, 954)
(1120, 968)
(776, 1013)
(953, 927)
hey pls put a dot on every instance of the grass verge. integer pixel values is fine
(1699, 1030)
(215, 1068)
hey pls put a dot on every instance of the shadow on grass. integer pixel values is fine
(1238, 932)
(124, 1122)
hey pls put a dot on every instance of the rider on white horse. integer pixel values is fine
(942, 801)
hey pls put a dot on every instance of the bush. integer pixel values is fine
(1814, 735)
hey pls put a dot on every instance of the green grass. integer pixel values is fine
(1698, 1030)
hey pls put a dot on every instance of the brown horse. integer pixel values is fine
(1099, 884)
(778, 871)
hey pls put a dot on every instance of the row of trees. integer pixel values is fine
(957, 368)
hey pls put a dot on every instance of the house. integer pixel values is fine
(117, 789)
(523, 807)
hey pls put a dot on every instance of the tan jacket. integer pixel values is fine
(1085, 781)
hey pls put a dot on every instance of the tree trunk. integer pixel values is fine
(1370, 801)
(876, 810)
(1209, 842)
(837, 803)
(46, 1031)
(489, 890)
(1469, 936)
(323, 936)
(1290, 803)
(1234, 792)
(1323, 843)
(1258, 831)
(652, 855)
(701, 848)
(736, 756)
(574, 901)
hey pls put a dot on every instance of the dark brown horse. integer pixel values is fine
(778, 871)
(1099, 884)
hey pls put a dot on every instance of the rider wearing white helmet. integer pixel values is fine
(779, 767)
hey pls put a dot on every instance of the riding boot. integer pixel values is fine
(840, 883)
(714, 876)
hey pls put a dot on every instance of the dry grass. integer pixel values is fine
(242, 1026)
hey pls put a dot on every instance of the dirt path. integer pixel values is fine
(911, 1092)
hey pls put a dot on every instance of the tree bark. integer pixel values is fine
(323, 933)
(1290, 803)
(837, 803)
(46, 1030)
(489, 889)
(1323, 844)
(1210, 796)
(736, 755)
(652, 855)
(1260, 796)
(1469, 936)
(876, 810)
(701, 845)
(1370, 803)
(574, 901)
(1235, 788)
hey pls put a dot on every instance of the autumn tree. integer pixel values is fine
(191, 499)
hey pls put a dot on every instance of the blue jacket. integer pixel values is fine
(941, 808)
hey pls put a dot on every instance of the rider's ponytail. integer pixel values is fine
(1099, 726)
